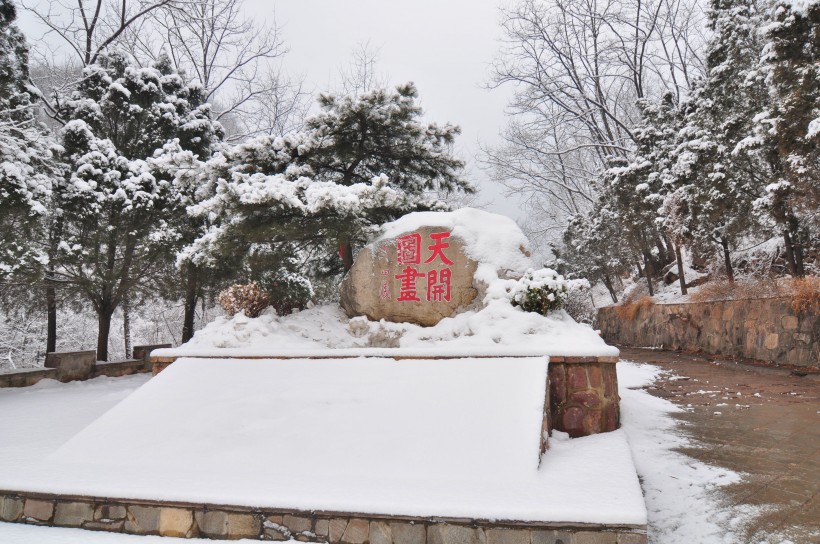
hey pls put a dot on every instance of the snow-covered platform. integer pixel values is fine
(377, 450)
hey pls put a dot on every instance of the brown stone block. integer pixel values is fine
(611, 418)
(577, 377)
(39, 510)
(73, 514)
(357, 531)
(11, 508)
(594, 372)
(110, 512)
(212, 524)
(632, 538)
(322, 527)
(572, 421)
(142, 520)
(244, 525)
(610, 376)
(114, 526)
(592, 422)
(408, 533)
(297, 524)
(771, 341)
(380, 533)
(789, 322)
(551, 537)
(588, 399)
(590, 537)
(274, 530)
(336, 529)
(508, 536)
(558, 384)
(444, 533)
(177, 522)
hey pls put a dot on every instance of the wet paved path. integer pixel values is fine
(763, 423)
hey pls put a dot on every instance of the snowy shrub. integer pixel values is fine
(249, 298)
(578, 304)
(287, 291)
(543, 291)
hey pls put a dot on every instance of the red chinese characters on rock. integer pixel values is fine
(408, 249)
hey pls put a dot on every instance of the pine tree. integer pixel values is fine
(790, 127)
(311, 195)
(120, 201)
(28, 162)
(380, 133)
(720, 179)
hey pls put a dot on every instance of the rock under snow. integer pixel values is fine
(429, 265)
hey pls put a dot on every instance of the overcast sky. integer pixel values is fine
(445, 47)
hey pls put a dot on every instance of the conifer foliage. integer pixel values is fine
(28, 161)
(124, 125)
(734, 163)
(274, 203)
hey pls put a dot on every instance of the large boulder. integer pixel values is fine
(420, 276)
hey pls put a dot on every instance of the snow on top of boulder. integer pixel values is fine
(489, 238)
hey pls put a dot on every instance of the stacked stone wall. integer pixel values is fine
(765, 329)
(187, 520)
(583, 397)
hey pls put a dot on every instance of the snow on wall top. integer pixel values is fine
(452, 438)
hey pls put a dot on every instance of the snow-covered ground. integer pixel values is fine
(455, 438)
(682, 494)
(325, 330)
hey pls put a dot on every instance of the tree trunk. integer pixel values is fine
(103, 330)
(790, 261)
(647, 272)
(346, 252)
(608, 284)
(727, 260)
(126, 328)
(681, 277)
(51, 312)
(191, 296)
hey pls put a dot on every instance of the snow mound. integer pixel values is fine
(493, 327)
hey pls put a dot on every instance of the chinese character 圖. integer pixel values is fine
(437, 249)
(407, 289)
(409, 249)
(438, 285)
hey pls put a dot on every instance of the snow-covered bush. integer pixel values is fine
(542, 291)
(288, 291)
(249, 298)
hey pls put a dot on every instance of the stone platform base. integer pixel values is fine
(583, 397)
(188, 520)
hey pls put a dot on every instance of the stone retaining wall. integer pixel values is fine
(765, 329)
(188, 520)
(80, 365)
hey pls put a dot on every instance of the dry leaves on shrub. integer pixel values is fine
(249, 297)
(805, 294)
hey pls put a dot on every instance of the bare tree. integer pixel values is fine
(578, 68)
(236, 59)
(90, 26)
(362, 75)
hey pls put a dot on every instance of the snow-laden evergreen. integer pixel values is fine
(272, 203)
(28, 161)
(120, 204)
